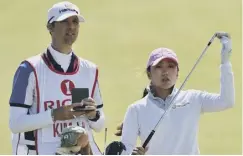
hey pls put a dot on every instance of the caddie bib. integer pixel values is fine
(54, 91)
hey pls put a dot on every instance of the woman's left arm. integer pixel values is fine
(226, 98)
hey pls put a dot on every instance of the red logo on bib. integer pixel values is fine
(67, 86)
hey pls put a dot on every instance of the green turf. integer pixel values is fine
(118, 36)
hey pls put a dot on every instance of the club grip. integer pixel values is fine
(148, 138)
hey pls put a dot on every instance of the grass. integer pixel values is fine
(118, 36)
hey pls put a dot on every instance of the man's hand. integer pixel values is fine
(225, 40)
(66, 112)
(139, 151)
(119, 130)
(83, 140)
(90, 108)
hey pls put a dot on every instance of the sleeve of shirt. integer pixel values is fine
(23, 87)
(100, 123)
(22, 98)
(212, 102)
(130, 130)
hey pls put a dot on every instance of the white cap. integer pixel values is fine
(62, 10)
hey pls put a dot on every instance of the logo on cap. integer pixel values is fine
(69, 7)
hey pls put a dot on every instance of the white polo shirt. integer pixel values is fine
(177, 133)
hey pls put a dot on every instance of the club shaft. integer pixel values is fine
(177, 93)
(184, 82)
(105, 140)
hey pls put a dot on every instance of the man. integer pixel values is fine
(40, 103)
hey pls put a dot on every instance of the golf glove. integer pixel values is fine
(226, 46)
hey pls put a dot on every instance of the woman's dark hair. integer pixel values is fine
(145, 92)
(148, 69)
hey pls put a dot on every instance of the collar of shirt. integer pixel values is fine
(158, 101)
(62, 59)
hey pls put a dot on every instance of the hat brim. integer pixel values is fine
(164, 58)
(67, 15)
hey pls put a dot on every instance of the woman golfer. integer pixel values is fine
(177, 133)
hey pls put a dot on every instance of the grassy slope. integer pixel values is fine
(118, 36)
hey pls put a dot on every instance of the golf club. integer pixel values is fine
(105, 140)
(177, 93)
